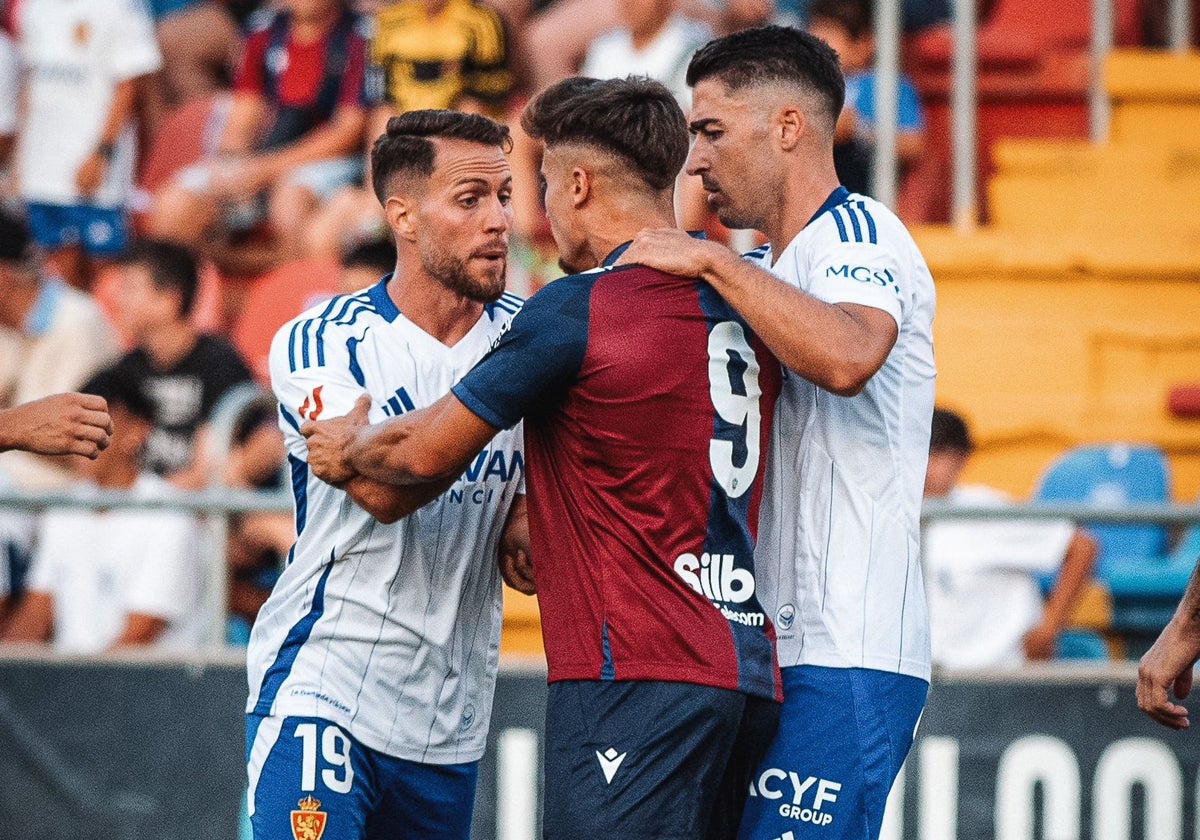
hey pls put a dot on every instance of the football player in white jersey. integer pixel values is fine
(372, 665)
(843, 297)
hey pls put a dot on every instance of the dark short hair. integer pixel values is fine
(637, 119)
(949, 433)
(773, 54)
(378, 254)
(855, 16)
(120, 388)
(172, 268)
(16, 242)
(407, 148)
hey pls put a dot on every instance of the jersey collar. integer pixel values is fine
(382, 300)
(838, 196)
(616, 253)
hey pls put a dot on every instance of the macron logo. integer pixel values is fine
(609, 762)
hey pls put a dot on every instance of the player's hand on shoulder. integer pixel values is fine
(62, 424)
(673, 251)
(329, 443)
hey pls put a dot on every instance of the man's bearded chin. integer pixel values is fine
(455, 274)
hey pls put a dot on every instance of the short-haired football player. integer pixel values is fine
(647, 405)
(372, 664)
(844, 298)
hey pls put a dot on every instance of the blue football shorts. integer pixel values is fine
(98, 231)
(309, 778)
(842, 738)
(633, 760)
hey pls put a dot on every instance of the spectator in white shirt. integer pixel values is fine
(114, 578)
(985, 604)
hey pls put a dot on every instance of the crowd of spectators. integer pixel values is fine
(134, 285)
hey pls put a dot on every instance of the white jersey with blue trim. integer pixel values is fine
(390, 631)
(838, 557)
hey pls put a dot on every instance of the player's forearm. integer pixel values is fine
(389, 503)
(827, 344)
(121, 111)
(391, 452)
(10, 430)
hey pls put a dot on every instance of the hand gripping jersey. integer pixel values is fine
(648, 406)
(390, 631)
(839, 557)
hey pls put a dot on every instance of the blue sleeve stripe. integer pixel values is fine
(858, 235)
(871, 232)
(304, 344)
(321, 344)
(397, 409)
(287, 415)
(355, 368)
(837, 217)
(292, 347)
(300, 491)
(406, 400)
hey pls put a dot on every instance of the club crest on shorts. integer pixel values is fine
(309, 822)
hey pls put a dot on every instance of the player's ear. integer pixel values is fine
(789, 126)
(401, 215)
(581, 186)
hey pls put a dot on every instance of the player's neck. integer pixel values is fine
(615, 225)
(438, 311)
(169, 344)
(644, 36)
(807, 189)
(309, 28)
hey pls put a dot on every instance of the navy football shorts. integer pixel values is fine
(633, 760)
(842, 738)
(310, 779)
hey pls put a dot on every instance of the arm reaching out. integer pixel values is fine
(423, 447)
(1167, 666)
(63, 424)
(836, 346)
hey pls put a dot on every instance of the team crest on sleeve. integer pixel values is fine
(312, 407)
(308, 823)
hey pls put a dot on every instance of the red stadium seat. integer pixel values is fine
(273, 300)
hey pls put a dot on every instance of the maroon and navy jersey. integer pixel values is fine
(648, 404)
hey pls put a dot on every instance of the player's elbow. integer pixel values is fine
(848, 381)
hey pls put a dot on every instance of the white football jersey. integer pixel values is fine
(390, 631)
(838, 557)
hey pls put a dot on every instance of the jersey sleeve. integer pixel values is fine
(45, 570)
(314, 376)
(853, 263)
(133, 48)
(535, 360)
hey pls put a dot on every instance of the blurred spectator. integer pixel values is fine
(985, 603)
(560, 32)
(9, 96)
(290, 142)
(76, 141)
(364, 264)
(441, 54)
(103, 579)
(200, 42)
(425, 54)
(654, 40)
(258, 542)
(180, 372)
(847, 26)
(52, 338)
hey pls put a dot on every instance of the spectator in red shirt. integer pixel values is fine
(291, 137)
